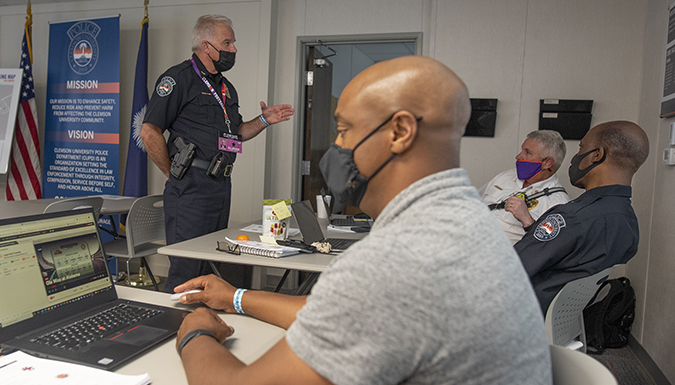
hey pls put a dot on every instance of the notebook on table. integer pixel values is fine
(311, 229)
(57, 299)
(256, 248)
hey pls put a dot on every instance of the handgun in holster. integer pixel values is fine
(183, 158)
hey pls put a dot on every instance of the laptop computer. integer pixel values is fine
(362, 220)
(311, 229)
(57, 299)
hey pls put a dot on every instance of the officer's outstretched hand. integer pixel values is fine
(216, 293)
(276, 114)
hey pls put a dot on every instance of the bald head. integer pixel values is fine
(404, 119)
(626, 144)
(609, 154)
(421, 85)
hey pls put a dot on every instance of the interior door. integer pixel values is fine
(318, 133)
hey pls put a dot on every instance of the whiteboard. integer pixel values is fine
(10, 88)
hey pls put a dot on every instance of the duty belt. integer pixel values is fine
(204, 165)
(547, 191)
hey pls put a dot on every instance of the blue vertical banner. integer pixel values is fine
(81, 155)
(136, 174)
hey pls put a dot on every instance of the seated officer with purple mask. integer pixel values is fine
(521, 195)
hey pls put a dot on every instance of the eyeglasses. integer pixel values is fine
(228, 247)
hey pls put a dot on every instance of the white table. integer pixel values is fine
(204, 248)
(252, 338)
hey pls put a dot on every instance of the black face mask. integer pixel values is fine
(225, 60)
(575, 173)
(341, 174)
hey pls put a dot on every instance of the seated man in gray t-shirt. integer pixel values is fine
(435, 294)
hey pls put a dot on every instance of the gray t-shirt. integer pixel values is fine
(435, 294)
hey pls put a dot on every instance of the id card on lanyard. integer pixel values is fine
(228, 141)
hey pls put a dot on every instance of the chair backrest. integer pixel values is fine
(573, 368)
(75, 203)
(565, 316)
(145, 222)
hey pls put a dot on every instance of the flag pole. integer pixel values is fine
(29, 32)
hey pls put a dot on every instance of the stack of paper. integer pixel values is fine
(20, 368)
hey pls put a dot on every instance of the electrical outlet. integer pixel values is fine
(669, 156)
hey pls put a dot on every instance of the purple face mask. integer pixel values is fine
(527, 169)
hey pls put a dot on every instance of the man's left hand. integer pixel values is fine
(203, 318)
(276, 114)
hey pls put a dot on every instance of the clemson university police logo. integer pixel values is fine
(165, 86)
(83, 51)
(550, 227)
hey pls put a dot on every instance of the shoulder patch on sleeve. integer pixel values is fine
(550, 227)
(165, 86)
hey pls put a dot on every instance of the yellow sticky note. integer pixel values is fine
(281, 210)
(268, 240)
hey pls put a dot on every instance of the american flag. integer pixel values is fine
(24, 179)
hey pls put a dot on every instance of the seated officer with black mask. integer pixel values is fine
(598, 229)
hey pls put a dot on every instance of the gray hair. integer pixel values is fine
(552, 145)
(205, 29)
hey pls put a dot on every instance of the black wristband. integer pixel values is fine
(192, 335)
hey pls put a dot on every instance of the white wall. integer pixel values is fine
(655, 272)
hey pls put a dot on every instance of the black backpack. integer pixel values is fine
(609, 321)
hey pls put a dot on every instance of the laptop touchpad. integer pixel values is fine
(139, 335)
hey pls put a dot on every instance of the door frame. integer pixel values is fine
(301, 92)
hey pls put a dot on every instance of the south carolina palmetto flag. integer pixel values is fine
(24, 179)
(136, 174)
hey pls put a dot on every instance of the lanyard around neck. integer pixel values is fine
(223, 91)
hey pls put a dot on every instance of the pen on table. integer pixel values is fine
(7, 364)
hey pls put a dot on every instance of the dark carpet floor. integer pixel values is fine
(625, 366)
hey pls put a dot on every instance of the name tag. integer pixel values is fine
(230, 143)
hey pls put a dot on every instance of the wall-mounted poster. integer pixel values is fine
(10, 87)
(82, 117)
(668, 100)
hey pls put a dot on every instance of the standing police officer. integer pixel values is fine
(200, 109)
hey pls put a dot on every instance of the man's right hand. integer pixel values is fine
(216, 293)
(517, 206)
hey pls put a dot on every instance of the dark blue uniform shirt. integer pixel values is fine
(196, 204)
(182, 104)
(578, 239)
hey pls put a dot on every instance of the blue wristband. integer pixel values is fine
(264, 121)
(237, 301)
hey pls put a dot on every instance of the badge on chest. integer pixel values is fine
(230, 143)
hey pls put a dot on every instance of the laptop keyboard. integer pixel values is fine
(341, 243)
(349, 221)
(82, 333)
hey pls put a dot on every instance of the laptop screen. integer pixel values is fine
(307, 222)
(48, 262)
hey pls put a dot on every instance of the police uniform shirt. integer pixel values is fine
(505, 185)
(578, 239)
(183, 104)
